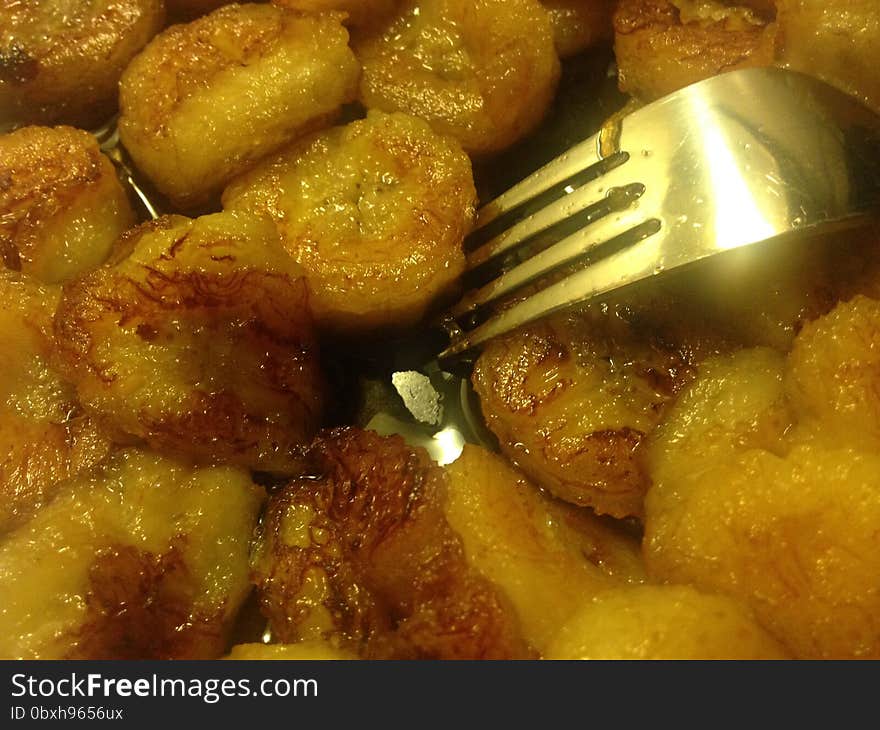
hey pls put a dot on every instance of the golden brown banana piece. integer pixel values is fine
(142, 558)
(60, 60)
(375, 212)
(196, 337)
(663, 45)
(549, 558)
(483, 71)
(359, 551)
(207, 99)
(571, 400)
(767, 485)
(61, 203)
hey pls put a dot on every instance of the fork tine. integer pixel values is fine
(584, 197)
(571, 162)
(632, 264)
(567, 250)
(745, 157)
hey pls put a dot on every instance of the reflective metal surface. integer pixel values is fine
(108, 139)
(745, 157)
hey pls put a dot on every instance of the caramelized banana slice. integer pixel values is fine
(375, 212)
(362, 553)
(61, 204)
(144, 558)
(663, 622)
(663, 45)
(580, 24)
(571, 399)
(207, 99)
(197, 338)
(772, 494)
(483, 71)
(44, 435)
(60, 61)
(549, 558)
(358, 12)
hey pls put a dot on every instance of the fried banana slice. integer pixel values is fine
(482, 71)
(45, 437)
(207, 99)
(767, 486)
(375, 212)
(361, 552)
(663, 45)
(143, 558)
(358, 12)
(663, 622)
(60, 60)
(61, 203)
(547, 557)
(580, 24)
(304, 651)
(571, 399)
(839, 43)
(196, 337)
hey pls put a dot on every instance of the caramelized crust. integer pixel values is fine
(571, 399)
(663, 45)
(246, 78)
(144, 557)
(375, 212)
(61, 204)
(45, 437)
(482, 71)
(60, 60)
(197, 338)
(140, 606)
(362, 551)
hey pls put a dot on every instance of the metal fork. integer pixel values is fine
(738, 159)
